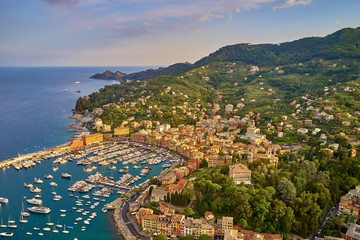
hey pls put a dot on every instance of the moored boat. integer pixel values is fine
(4, 200)
(34, 201)
(43, 210)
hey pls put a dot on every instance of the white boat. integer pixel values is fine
(55, 169)
(6, 234)
(63, 210)
(53, 184)
(47, 229)
(55, 230)
(40, 234)
(77, 82)
(44, 210)
(63, 215)
(22, 220)
(38, 196)
(49, 223)
(65, 175)
(2, 223)
(49, 176)
(36, 228)
(29, 233)
(34, 201)
(35, 190)
(23, 213)
(11, 223)
(65, 231)
(38, 180)
(4, 200)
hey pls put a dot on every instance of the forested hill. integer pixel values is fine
(344, 43)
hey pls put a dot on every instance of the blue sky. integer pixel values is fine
(156, 32)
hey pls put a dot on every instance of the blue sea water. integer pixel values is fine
(34, 112)
(34, 108)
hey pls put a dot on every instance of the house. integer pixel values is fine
(169, 178)
(209, 216)
(121, 131)
(191, 227)
(240, 173)
(302, 130)
(224, 223)
(176, 223)
(179, 187)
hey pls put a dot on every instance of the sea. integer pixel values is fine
(35, 105)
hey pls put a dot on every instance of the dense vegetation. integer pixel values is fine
(109, 75)
(292, 199)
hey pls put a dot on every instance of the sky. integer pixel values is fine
(156, 32)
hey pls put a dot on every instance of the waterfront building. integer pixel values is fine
(78, 143)
(93, 138)
(240, 173)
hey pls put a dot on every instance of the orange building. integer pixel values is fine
(77, 143)
(121, 131)
(92, 138)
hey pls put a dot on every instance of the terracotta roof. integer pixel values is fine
(151, 217)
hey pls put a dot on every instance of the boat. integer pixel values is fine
(28, 185)
(47, 229)
(11, 223)
(62, 210)
(65, 175)
(38, 196)
(55, 169)
(49, 223)
(48, 176)
(66, 90)
(23, 213)
(40, 234)
(58, 225)
(35, 190)
(4, 200)
(63, 215)
(29, 233)
(112, 167)
(6, 234)
(22, 220)
(55, 230)
(53, 184)
(36, 228)
(43, 210)
(77, 82)
(38, 181)
(34, 201)
(78, 91)
(2, 223)
(65, 231)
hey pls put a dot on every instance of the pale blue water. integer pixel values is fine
(34, 112)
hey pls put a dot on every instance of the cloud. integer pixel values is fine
(62, 3)
(291, 3)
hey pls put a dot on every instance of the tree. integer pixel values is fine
(188, 212)
(205, 237)
(203, 164)
(151, 189)
(287, 189)
(324, 178)
(161, 236)
(309, 169)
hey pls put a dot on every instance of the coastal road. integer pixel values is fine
(127, 221)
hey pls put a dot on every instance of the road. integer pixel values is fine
(127, 221)
(332, 212)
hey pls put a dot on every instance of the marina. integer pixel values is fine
(81, 198)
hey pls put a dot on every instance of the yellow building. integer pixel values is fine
(149, 222)
(92, 138)
(141, 213)
(121, 131)
(169, 178)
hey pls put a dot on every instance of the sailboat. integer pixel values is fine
(59, 225)
(23, 213)
(22, 220)
(2, 223)
(55, 230)
(11, 223)
(49, 223)
(65, 231)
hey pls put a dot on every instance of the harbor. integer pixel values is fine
(60, 196)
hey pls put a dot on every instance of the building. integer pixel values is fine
(149, 222)
(121, 131)
(169, 178)
(158, 194)
(353, 232)
(191, 227)
(207, 228)
(93, 138)
(179, 187)
(166, 210)
(141, 213)
(350, 202)
(176, 223)
(164, 225)
(226, 224)
(240, 173)
(77, 143)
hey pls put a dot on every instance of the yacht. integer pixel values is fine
(43, 210)
(6, 234)
(38, 180)
(49, 176)
(35, 190)
(4, 200)
(34, 201)
(53, 184)
(65, 231)
(65, 175)
(55, 169)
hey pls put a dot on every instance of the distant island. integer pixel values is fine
(109, 75)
